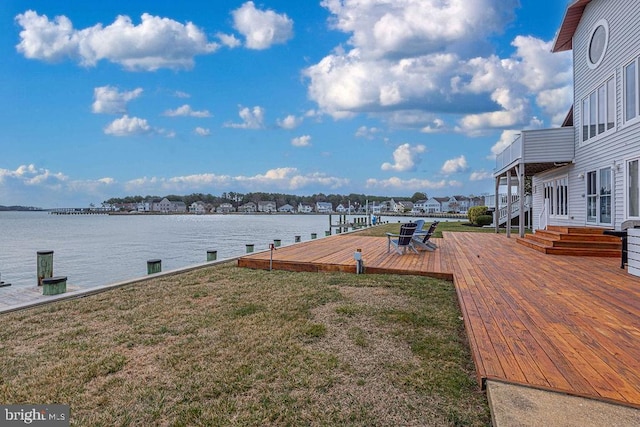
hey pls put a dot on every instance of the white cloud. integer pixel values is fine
(186, 110)
(127, 126)
(451, 166)
(152, 44)
(414, 27)
(365, 132)
(202, 131)
(181, 94)
(290, 122)
(395, 183)
(436, 126)
(229, 40)
(412, 62)
(301, 141)
(283, 179)
(35, 186)
(31, 175)
(251, 118)
(405, 158)
(261, 29)
(108, 100)
(480, 175)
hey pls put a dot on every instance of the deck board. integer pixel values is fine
(564, 323)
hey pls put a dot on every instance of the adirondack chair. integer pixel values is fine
(422, 239)
(403, 241)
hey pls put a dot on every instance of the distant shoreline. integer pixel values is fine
(87, 211)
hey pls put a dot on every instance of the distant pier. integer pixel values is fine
(80, 211)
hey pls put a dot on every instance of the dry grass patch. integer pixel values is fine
(231, 346)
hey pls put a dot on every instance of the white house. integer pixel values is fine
(419, 207)
(375, 209)
(197, 208)
(463, 203)
(167, 206)
(402, 206)
(587, 172)
(449, 204)
(248, 207)
(225, 208)
(286, 208)
(267, 206)
(345, 209)
(324, 207)
(432, 205)
(302, 208)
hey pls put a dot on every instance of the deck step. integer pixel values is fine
(578, 241)
(557, 235)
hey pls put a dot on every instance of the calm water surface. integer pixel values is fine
(94, 250)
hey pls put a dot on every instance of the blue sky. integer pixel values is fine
(382, 97)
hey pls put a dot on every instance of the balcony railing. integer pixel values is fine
(510, 154)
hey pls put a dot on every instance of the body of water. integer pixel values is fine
(94, 250)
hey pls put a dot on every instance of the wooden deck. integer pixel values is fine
(562, 323)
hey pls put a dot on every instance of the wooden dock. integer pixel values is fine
(562, 323)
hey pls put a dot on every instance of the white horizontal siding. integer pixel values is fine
(548, 145)
(575, 186)
(623, 143)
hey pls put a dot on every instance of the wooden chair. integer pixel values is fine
(421, 239)
(402, 241)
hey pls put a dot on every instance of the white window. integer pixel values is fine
(598, 44)
(599, 111)
(633, 189)
(631, 91)
(556, 192)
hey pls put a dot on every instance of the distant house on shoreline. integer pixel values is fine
(324, 207)
(198, 208)
(286, 208)
(225, 208)
(167, 206)
(249, 207)
(302, 208)
(267, 206)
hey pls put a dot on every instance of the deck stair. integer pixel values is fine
(579, 241)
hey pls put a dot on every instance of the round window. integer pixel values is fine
(598, 43)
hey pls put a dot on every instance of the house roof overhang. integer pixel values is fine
(564, 38)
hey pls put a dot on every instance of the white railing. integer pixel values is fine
(489, 200)
(543, 217)
(515, 207)
(509, 154)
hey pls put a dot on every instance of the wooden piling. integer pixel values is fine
(45, 265)
(154, 266)
(54, 285)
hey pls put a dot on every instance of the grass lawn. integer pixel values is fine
(444, 225)
(231, 346)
